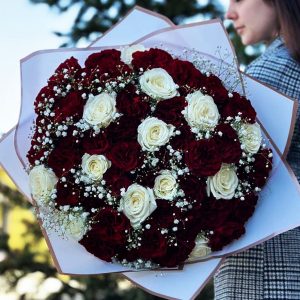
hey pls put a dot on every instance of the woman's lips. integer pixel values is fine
(239, 29)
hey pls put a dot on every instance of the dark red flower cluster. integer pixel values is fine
(239, 106)
(108, 234)
(167, 236)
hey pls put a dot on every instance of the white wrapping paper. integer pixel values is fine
(205, 37)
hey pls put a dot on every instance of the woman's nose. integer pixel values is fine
(231, 13)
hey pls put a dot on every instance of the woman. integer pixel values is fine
(270, 270)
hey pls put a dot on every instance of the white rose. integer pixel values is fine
(250, 137)
(42, 181)
(153, 133)
(224, 183)
(99, 110)
(95, 165)
(165, 185)
(201, 112)
(158, 84)
(76, 227)
(137, 204)
(126, 52)
(201, 248)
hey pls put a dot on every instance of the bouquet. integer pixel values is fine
(169, 179)
(144, 159)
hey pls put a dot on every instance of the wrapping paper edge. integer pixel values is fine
(136, 7)
(282, 156)
(294, 114)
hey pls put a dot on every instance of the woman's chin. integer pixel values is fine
(246, 40)
(251, 39)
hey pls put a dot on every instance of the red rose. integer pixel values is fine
(228, 141)
(33, 154)
(130, 255)
(244, 209)
(193, 220)
(225, 234)
(262, 166)
(194, 188)
(210, 214)
(152, 58)
(42, 98)
(153, 244)
(164, 156)
(181, 141)
(94, 143)
(68, 193)
(176, 255)
(106, 73)
(116, 179)
(124, 129)
(127, 156)
(110, 226)
(165, 214)
(59, 78)
(66, 155)
(259, 169)
(103, 59)
(214, 87)
(239, 104)
(184, 73)
(98, 248)
(170, 111)
(69, 106)
(146, 176)
(37, 149)
(104, 66)
(131, 104)
(107, 234)
(69, 64)
(203, 157)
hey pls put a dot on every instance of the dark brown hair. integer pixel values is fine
(288, 12)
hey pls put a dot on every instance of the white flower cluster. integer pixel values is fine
(223, 184)
(201, 113)
(127, 51)
(137, 204)
(153, 133)
(158, 84)
(100, 110)
(250, 137)
(165, 185)
(95, 166)
(201, 248)
(42, 182)
(69, 223)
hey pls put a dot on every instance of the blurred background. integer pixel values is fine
(26, 269)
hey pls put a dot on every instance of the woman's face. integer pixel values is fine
(254, 20)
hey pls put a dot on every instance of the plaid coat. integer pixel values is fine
(270, 270)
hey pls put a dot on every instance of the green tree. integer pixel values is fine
(94, 17)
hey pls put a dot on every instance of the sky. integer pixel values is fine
(25, 28)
